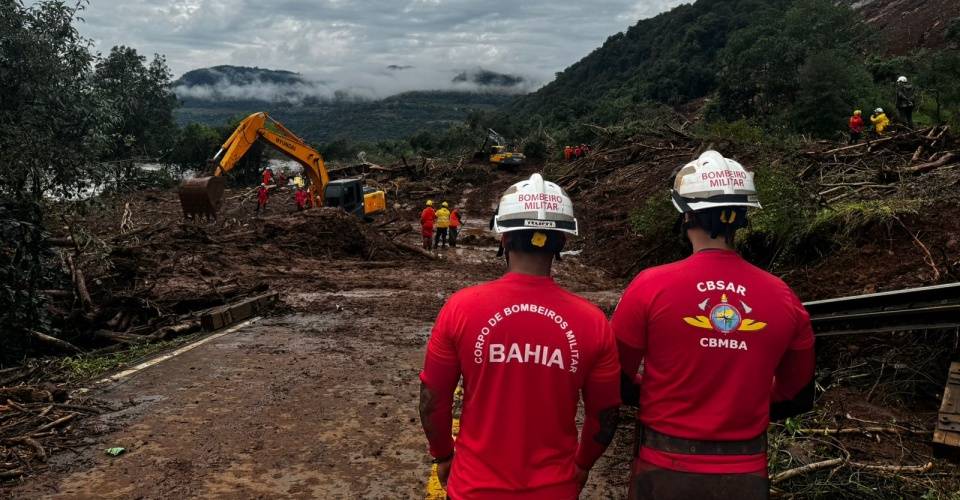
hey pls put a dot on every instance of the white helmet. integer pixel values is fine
(902, 79)
(878, 110)
(713, 181)
(535, 204)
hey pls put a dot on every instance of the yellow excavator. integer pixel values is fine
(204, 195)
(497, 154)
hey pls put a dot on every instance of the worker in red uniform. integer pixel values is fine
(567, 153)
(456, 220)
(527, 350)
(267, 176)
(856, 127)
(577, 152)
(719, 340)
(262, 195)
(301, 198)
(427, 218)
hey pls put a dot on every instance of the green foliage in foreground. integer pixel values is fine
(85, 367)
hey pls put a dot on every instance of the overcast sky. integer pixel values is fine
(349, 44)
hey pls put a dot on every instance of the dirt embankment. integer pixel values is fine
(907, 25)
(836, 221)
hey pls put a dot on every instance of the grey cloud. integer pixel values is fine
(350, 44)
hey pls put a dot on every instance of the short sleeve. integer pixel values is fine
(442, 344)
(629, 321)
(607, 365)
(803, 329)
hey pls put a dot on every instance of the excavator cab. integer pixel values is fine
(354, 198)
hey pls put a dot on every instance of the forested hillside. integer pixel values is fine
(796, 66)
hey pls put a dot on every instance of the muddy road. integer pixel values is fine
(317, 400)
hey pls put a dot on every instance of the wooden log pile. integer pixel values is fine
(34, 422)
(880, 167)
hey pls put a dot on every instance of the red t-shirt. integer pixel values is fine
(427, 216)
(267, 176)
(713, 328)
(526, 348)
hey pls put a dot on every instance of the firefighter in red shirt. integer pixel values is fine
(263, 194)
(527, 350)
(719, 340)
(427, 217)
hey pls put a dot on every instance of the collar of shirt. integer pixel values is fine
(529, 279)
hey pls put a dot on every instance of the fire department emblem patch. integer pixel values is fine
(725, 318)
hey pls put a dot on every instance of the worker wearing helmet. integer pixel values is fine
(427, 216)
(906, 100)
(719, 340)
(526, 349)
(443, 223)
(856, 127)
(879, 120)
(262, 195)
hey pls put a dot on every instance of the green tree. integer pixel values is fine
(140, 105)
(51, 114)
(195, 144)
(48, 146)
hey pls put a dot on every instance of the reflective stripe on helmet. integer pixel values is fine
(537, 224)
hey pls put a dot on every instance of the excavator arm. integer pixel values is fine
(203, 195)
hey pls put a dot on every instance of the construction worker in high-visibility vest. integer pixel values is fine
(719, 340)
(527, 351)
(443, 223)
(456, 220)
(880, 121)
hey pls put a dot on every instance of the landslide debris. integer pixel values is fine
(826, 207)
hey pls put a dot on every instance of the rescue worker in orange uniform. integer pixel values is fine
(427, 216)
(456, 220)
(719, 340)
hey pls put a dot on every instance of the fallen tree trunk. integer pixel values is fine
(411, 248)
(926, 167)
(80, 284)
(55, 342)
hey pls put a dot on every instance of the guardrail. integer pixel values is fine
(925, 308)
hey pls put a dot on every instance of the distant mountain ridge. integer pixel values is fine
(237, 75)
(221, 94)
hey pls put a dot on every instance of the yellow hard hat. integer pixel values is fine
(856, 112)
(444, 204)
(429, 203)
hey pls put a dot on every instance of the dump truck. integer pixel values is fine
(203, 196)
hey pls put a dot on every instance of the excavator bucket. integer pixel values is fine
(202, 196)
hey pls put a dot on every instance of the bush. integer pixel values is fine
(535, 150)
